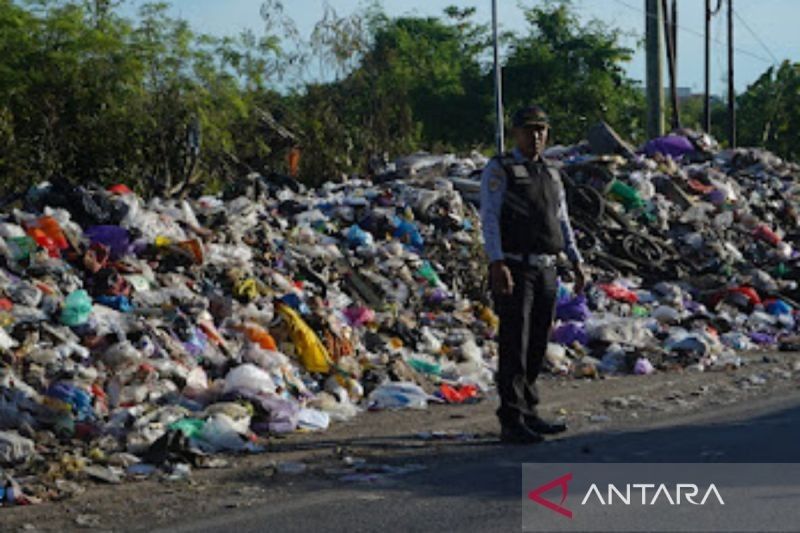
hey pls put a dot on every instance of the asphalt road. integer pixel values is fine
(478, 488)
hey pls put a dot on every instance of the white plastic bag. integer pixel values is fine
(398, 395)
(248, 379)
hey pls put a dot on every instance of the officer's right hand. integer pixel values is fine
(500, 278)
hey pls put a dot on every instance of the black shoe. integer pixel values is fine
(544, 427)
(519, 434)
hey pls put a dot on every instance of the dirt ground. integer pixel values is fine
(392, 438)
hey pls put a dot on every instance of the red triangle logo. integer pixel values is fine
(563, 482)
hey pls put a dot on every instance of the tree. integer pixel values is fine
(575, 71)
(769, 111)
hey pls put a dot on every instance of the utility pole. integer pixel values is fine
(731, 87)
(655, 68)
(707, 95)
(670, 27)
(498, 84)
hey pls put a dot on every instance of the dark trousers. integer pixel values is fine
(526, 317)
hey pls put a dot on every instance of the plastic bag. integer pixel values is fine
(260, 336)
(573, 309)
(556, 357)
(358, 316)
(310, 350)
(47, 234)
(426, 367)
(14, 448)
(666, 314)
(117, 239)
(284, 414)
(358, 237)
(643, 367)
(778, 307)
(463, 394)
(313, 420)
(407, 232)
(398, 395)
(626, 194)
(617, 292)
(248, 380)
(77, 308)
(427, 273)
(220, 433)
(765, 233)
(119, 303)
(21, 248)
(570, 333)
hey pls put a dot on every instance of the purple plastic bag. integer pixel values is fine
(675, 146)
(759, 337)
(573, 309)
(569, 333)
(117, 239)
(283, 414)
(643, 367)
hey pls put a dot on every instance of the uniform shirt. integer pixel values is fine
(493, 189)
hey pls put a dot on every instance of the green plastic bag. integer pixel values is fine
(425, 367)
(626, 194)
(189, 426)
(427, 272)
(21, 248)
(77, 308)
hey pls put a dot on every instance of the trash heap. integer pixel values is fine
(139, 337)
(692, 253)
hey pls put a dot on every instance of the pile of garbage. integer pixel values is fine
(139, 337)
(692, 251)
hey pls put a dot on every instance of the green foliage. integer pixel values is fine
(91, 96)
(88, 95)
(575, 71)
(769, 112)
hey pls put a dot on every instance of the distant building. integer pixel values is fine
(683, 93)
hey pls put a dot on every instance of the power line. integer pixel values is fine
(756, 37)
(697, 33)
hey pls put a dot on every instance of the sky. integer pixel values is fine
(765, 30)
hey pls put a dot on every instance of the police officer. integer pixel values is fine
(525, 226)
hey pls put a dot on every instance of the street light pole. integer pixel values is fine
(498, 84)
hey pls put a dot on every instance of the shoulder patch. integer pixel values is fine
(494, 184)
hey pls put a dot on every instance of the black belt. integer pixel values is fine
(534, 260)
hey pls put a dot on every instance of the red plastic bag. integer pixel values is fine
(120, 189)
(617, 292)
(764, 233)
(459, 395)
(47, 234)
(749, 292)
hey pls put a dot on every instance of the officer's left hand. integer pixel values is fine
(580, 278)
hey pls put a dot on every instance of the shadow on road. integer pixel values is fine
(483, 468)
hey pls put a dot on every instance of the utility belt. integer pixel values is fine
(534, 260)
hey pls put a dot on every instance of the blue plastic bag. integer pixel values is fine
(406, 231)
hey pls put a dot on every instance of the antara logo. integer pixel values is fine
(563, 482)
(682, 492)
(689, 491)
